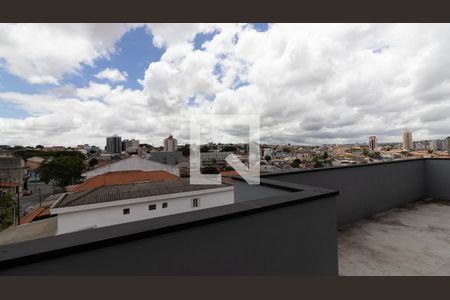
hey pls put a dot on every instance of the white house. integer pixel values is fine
(132, 163)
(111, 205)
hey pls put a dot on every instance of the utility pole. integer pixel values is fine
(40, 201)
(18, 205)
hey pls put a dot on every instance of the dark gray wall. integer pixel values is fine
(168, 158)
(369, 189)
(299, 239)
(246, 192)
(437, 177)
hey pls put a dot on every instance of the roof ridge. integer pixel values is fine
(86, 192)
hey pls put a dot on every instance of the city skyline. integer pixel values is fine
(311, 84)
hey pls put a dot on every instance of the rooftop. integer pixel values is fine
(413, 239)
(128, 191)
(123, 177)
(29, 231)
(371, 219)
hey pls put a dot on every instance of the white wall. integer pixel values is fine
(132, 163)
(105, 214)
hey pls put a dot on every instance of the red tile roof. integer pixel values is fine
(37, 212)
(124, 177)
(229, 173)
(8, 184)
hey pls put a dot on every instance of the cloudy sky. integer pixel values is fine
(72, 84)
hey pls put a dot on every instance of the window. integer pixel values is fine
(152, 207)
(164, 205)
(126, 211)
(195, 202)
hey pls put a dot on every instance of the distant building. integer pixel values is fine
(166, 157)
(437, 145)
(132, 163)
(12, 175)
(122, 178)
(34, 162)
(126, 144)
(54, 148)
(209, 159)
(372, 143)
(447, 144)
(117, 204)
(266, 152)
(407, 140)
(114, 144)
(170, 144)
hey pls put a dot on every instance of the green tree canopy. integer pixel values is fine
(268, 158)
(24, 153)
(6, 212)
(204, 148)
(93, 162)
(185, 149)
(296, 163)
(229, 149)
(209, 170)
(63, 170)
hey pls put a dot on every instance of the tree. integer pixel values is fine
(185, 149)
(6, 212)
(229, 149)
(228, 168)
(204, 149)
(208, 170)
(318, 164)
(268, 158)
(39, 147)
(296, 163)
(325, 155)
(64, 170)
(93, 162)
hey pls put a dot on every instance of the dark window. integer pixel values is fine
(152, 207)
(164, 205)
(195, 202)
(126, 211)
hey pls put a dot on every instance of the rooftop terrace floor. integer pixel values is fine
(410, 240)
(34, 230)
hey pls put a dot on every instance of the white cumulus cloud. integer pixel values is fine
(113, 75)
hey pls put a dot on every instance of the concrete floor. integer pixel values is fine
(411, 240)
(33, 230)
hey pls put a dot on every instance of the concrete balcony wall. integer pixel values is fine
(368, 189)
(292, 233)
(437, 178)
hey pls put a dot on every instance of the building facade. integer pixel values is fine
(209, 159)
(130, 164)
(12, 174)
(166, 157)
(407, 140)
(372, 143)
(114, 144)
(170, 144)
(112, 205)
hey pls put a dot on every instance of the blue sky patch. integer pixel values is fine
(11, 110)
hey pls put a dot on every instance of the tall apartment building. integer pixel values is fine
(114, 144)
(170, 144)
(126, 144)
(447, 144)
(437, 145)
(407, 140)
(372, 143)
